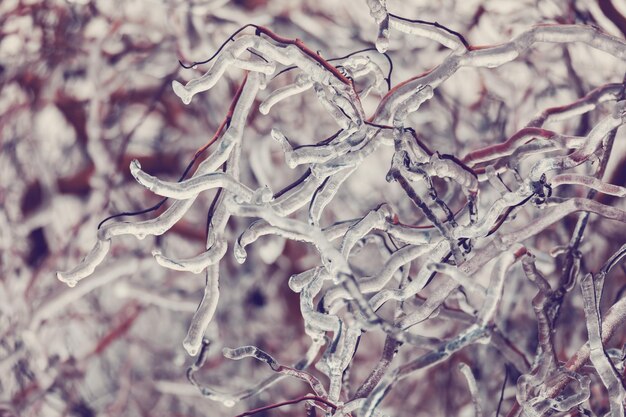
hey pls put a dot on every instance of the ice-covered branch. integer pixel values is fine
(473, 388)
(470, 184)
(610, 378)
(252, 351)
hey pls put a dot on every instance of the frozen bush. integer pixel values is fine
(349, 198)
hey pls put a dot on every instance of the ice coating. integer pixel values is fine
(382, 264)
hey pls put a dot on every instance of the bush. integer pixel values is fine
(425, 226)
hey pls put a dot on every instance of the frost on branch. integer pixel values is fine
(388, 206)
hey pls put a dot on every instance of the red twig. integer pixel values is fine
(305, 49)
(527, 134)
(119, 330)
(226, 120)
(294, 401)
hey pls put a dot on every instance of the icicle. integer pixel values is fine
(378, 10)
(473, 388)
(298, 282)
(610, 379)
(88, 264)
(205, 312)
(197, 263)
(191, 187)
(303, 83)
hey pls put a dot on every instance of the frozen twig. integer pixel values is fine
(473, 388)
(599, 359)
